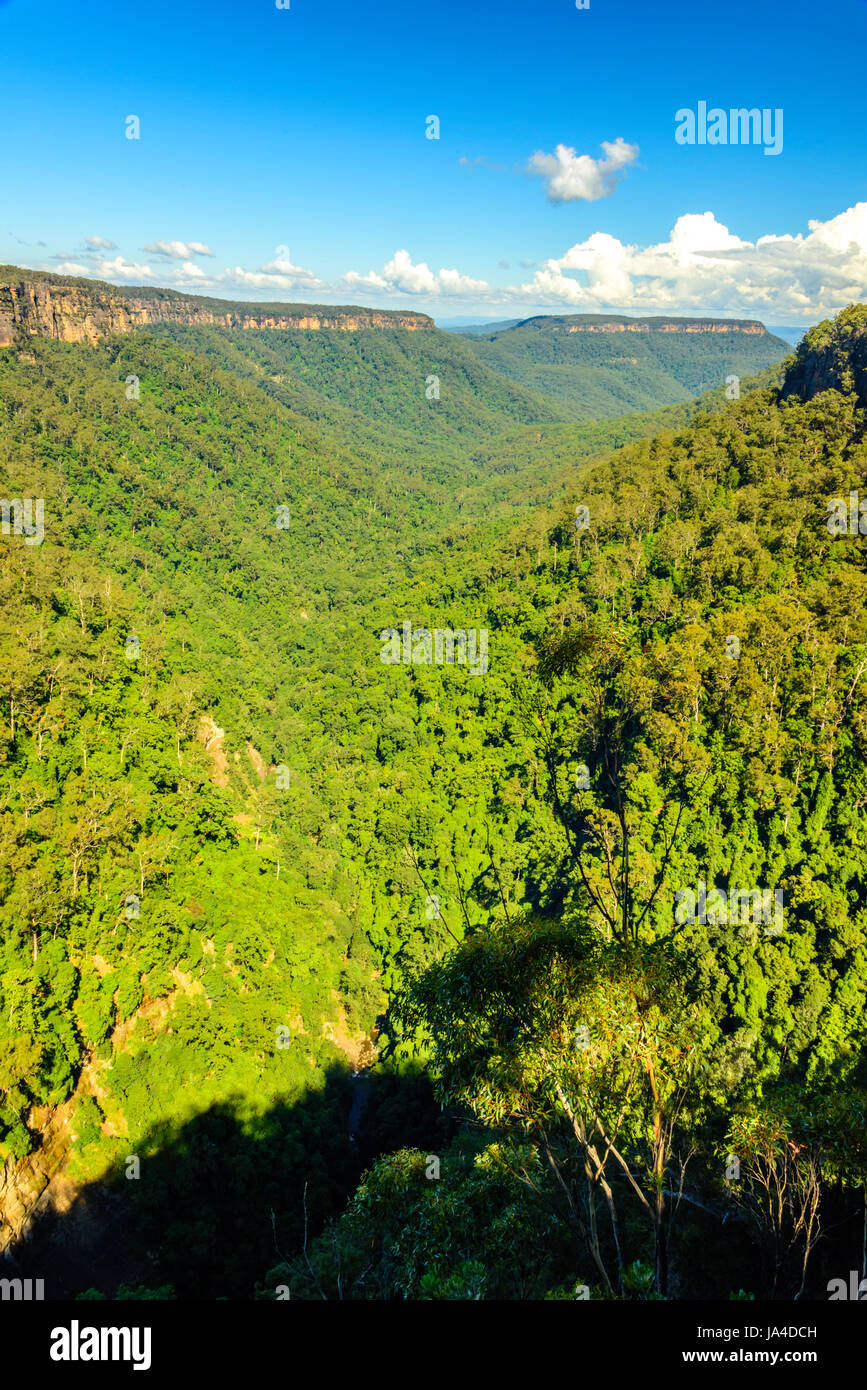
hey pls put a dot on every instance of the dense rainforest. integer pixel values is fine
(341, 978)
(596, 367)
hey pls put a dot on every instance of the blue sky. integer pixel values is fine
(291, 145)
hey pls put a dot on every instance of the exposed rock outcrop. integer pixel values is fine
(75, 311)
(24, 1182)
(831, 356)
(615, 323)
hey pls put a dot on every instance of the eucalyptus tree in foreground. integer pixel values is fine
(578, 1033)
(540, 1029)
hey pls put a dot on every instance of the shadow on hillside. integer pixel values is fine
(222, 1198)
(199, 1216)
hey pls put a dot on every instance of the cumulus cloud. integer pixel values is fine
(701, 267)
(100, 243)
(178, 250)
(370, 281)
(177, 273)
(122, 269)
(705, 267)
(571, 177)
(118, 270)
(194, 272)
(401, 276)
(279, 274)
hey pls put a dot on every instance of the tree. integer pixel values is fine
(643, 769)
(542, 1029)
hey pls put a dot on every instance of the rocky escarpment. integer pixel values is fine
(76, 311)
(831, 356)
(25, 1183)
(595, 323)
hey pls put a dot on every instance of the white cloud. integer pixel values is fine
(700, 232)
(100, 243)
(122, 269)
(453, 283)
(414, 279)
(283, 266)
(701, 267)
(188, 275)
(704, 267)
(571, 177)
(178, 250)
(371, 281)
(279, 274)
(399, 275)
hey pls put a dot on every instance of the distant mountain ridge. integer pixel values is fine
(621, 323)
(77, 310)
(602, 365)
(387, 366)
(474, 326)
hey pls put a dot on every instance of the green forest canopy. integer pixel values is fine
(224, 819)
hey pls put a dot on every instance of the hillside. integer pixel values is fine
(831, 357)
(689, 726)
(38, 304)
(386, 389)
(597, 366)
(461, 325)
(198, 754)
(226, 821)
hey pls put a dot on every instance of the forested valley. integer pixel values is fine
(329, 978)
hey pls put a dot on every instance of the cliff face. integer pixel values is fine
(580, 324)
(83, 311)
(25, 1184)
(831, 356)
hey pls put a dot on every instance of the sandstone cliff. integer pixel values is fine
(597, 323)
(25, 1183)
(74, 311)
(831, 356)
